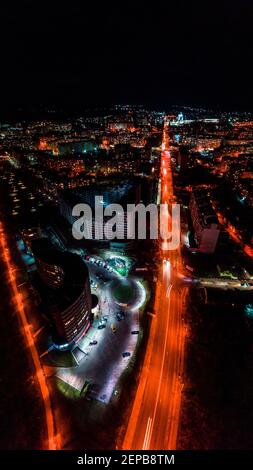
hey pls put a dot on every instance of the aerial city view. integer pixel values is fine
(126, 238)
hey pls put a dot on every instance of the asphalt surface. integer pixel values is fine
(156, 410)
(102, 364)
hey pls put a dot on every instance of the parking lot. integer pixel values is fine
(103, 362)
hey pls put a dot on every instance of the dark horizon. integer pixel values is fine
(77, 56)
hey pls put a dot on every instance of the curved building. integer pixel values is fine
(65, 292)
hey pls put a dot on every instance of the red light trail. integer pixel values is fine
(154, 419)
(52, 441)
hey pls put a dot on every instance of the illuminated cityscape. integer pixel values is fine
(116, 337)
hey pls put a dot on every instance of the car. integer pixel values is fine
(120, 315)
(100, 277)
(93, 284)
(113, 328)
(126, 354)
(101, 326)
(93, 342)
(135, 332)
(245, 284)
(94, 390)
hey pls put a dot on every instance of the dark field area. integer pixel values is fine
(21, 410)
(217, 410)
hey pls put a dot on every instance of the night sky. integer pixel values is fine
(173, 52)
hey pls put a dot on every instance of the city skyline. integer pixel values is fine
(126, 236)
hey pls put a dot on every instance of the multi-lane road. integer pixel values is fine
(155, 414)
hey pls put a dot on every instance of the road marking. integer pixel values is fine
(131, 429)
(163, 359)
(147, 434)
(177, 385)
(168, 291)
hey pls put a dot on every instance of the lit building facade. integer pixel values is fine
(112, 194)
(204, 221)
(65, 292)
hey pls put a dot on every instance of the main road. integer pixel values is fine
(154, 419)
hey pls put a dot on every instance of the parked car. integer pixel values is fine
(126, 354)
(120, 315)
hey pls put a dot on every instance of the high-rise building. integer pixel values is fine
(112, 193)
(183, 158)
(64, 288)
(204, 221)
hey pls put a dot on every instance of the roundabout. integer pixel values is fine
(128, 293)
(123, 291)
